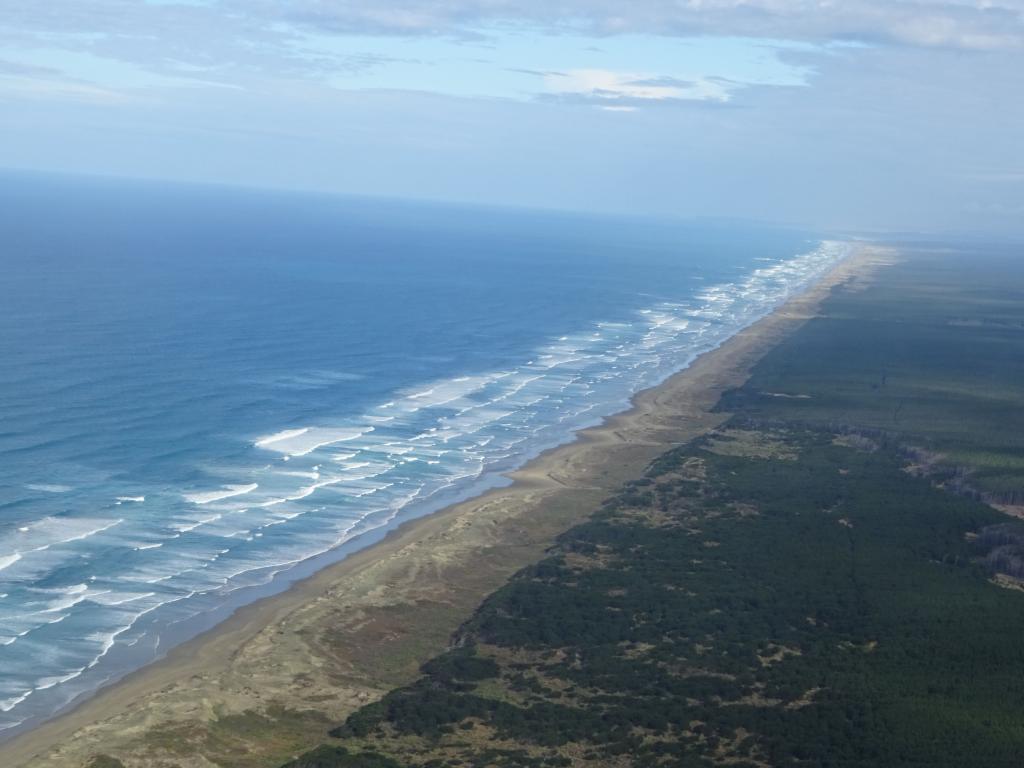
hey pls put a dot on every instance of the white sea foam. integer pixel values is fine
(120, 598)
(191, 525)
(288, 434)
(107, 641)
(49, 682)
(300, 442)
(205, 497)
(130, 499)
(448, 392)
(92, 532)
(8, 704)
(49, 532)
(49, 487)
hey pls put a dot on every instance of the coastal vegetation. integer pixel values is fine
(822, 581)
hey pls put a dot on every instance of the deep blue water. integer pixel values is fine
(201, 386)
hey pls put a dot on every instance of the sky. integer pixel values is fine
(852, 115)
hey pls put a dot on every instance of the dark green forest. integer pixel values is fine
(813, 584)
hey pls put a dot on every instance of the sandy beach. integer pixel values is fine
(271, 680)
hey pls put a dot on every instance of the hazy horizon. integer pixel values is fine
(953, 236)
(867, 117)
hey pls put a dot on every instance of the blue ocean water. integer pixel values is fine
(202, 387)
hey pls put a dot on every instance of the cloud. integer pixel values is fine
(248, 42)
(47, 88)
(664, 81)
(884, 138)
(243, 28)
(169, 38)
(537, 72)
(31, 81)
(967, 24)
(602, 86)
(16, 69)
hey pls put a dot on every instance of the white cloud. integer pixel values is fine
(968, 24)
(57, 89)
(605, 85)
(247, 27)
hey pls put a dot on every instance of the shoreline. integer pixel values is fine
(346, 634)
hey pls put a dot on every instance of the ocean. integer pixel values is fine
(206, 393)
